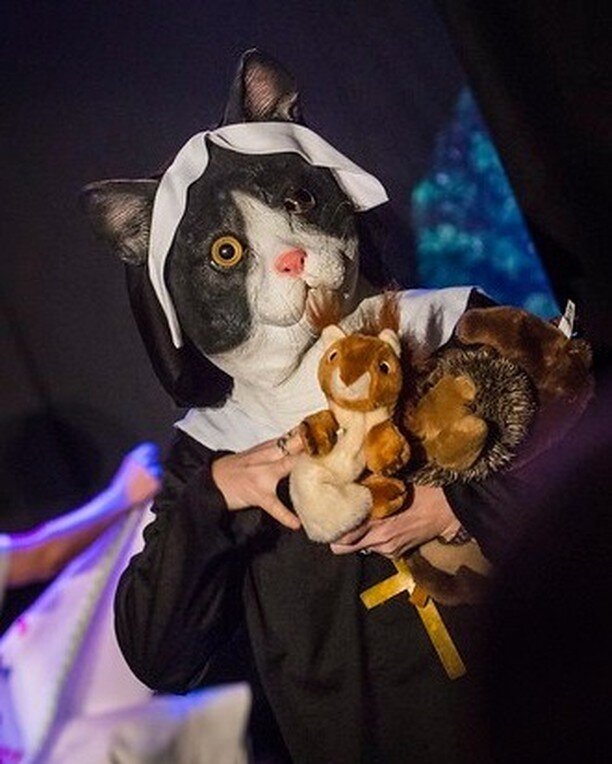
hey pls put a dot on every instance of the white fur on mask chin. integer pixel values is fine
(279, 299)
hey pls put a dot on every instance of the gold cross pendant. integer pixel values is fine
(403, 581)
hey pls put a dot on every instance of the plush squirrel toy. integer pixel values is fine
(352, 446)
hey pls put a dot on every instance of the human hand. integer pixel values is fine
(427, 516)
(138, 477)
(250, 478)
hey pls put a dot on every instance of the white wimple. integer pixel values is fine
(364, 190)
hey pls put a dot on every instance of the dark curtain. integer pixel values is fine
(542, 73)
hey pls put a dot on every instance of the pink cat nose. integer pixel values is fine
(291, 262)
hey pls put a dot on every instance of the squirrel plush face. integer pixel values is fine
(360, 372)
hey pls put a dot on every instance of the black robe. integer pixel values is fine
(343, 683)
(219, 596)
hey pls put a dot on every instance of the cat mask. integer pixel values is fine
(364, 190)
(261, 183)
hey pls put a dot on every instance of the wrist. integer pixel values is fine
(449, 523)
(455, 537)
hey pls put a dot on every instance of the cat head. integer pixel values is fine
(360, 372)
(262, 229)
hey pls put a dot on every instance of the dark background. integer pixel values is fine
(97, 90)
(112, 89)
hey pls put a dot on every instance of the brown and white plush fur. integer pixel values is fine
(353, 445)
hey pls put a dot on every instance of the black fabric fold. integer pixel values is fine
(185, 374)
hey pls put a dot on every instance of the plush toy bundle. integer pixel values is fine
(505, 389)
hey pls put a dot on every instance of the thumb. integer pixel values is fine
(276, 509)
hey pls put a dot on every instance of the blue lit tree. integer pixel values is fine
(468, 226)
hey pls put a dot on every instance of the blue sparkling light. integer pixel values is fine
(468, 226)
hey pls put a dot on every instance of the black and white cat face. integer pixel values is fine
(259, 233)
(261, 236)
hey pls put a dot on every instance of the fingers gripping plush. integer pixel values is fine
(250, 478)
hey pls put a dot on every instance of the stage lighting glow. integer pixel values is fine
(468, 226)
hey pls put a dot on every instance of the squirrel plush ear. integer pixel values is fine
(391, 338)
(120, 213)
(331, 334)
(262, 91)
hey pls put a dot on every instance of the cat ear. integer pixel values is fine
(120, 212)
(391, 338)
(262, 91)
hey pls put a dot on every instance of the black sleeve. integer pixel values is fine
(491, 510)
(180, 598)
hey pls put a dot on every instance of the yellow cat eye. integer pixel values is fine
(226, 251)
